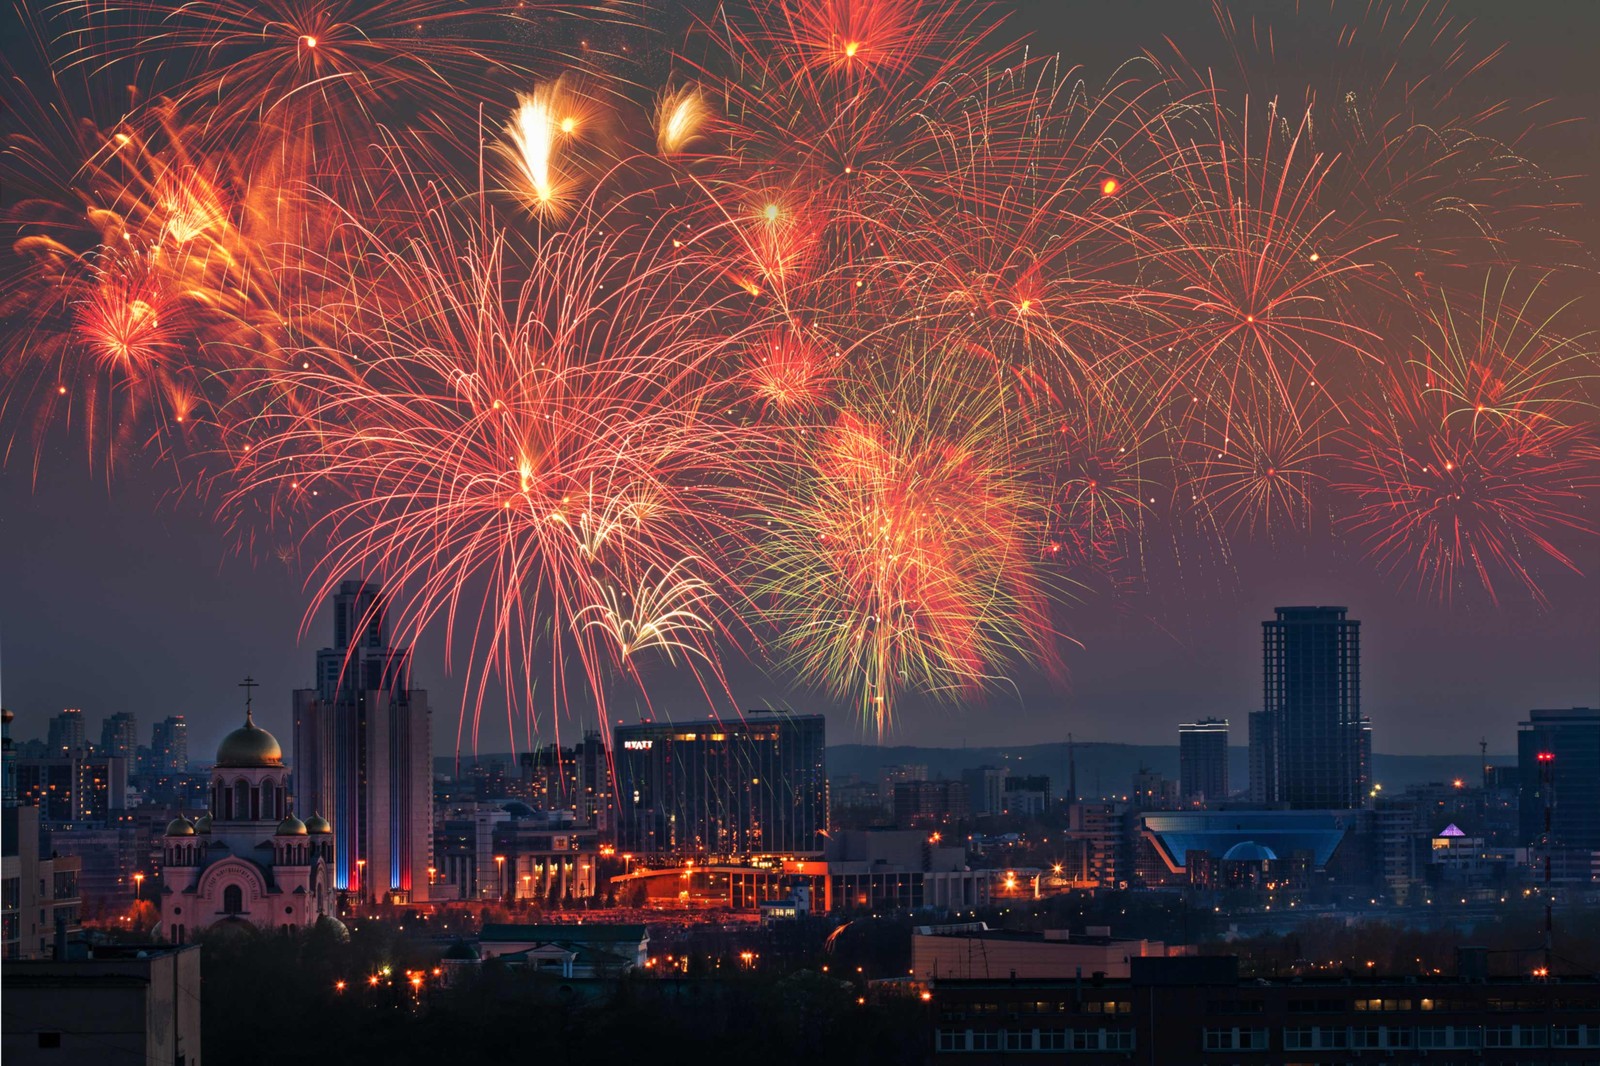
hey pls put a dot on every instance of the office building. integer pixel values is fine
(722, 787)
(169, 745)
(898, 774)
(363, 754)
(927, 804)
(1570, 736)
(66, 733)
(985, 790)
(1093, 846)
(109, 856)
(1152, 790)
(1311, 691)
(1028, 796)
(119, 737)
(1203, 761)
(76, 787)
(546, 859)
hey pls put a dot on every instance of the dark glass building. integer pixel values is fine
(722, 787)
(363, 753)
(1311, 689)
(1572, 735)
(1203, 761)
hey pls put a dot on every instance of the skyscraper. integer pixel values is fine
(1571, 737)
(722, 787)
(119, 736)
(1311, 688)
(363, 753)
(169, 745)
(1203, 761)
(66, 733)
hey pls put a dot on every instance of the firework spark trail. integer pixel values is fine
(547, 440)
(1453, 503)
(901, 559)
(865, 330)
(665, 613)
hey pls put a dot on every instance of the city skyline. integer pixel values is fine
(818, 531)
(175, 609)
(1472, 712)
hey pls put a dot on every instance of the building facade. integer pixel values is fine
(722, 787)
(1203, 761)
(75, 787)
(119, 736)
(66, 733)
(41, 901)
(1570, 736)
(1311, 691)
(169, 745)
(248, 858)
(363, 754)
(134, 1003)
(1191, 1010)
(1263, 758)
(985, 790)
(925, 804)
(576, 779)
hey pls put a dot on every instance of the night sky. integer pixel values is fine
(117, 596)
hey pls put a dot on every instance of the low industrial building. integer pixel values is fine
(972, 950)
(1198, 1009)
(588, 950)
(128, 1005)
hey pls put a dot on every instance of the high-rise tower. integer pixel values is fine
(363, 753)
(1311, 689)
(119, 736)
(1559, 750)
(169, 745)
(66, 733)
(1203, 761)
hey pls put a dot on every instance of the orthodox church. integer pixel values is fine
(248, 859)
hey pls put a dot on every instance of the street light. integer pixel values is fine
(431, 871)
(138, 888)
(500, 875)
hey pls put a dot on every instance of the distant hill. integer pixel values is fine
(1108, 769)
(1103, 769)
